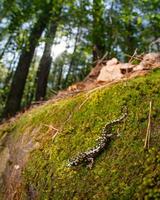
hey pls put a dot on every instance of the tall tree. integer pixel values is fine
(19, 79)
(45, 62)
(72, 57)
(98, 35)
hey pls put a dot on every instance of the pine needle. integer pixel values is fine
(148, 133)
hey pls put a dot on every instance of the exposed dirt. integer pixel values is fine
(15, 154)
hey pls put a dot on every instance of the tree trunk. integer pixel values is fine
(59, 78)
(19, 79)
(130, 40)
(45, 64)
(67, 82)
(98, 35)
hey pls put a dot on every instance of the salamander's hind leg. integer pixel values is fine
(90, 163)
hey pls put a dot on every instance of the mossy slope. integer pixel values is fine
(123, 171)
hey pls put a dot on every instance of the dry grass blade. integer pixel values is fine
(148, 133)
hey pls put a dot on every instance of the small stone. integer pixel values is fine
(113, 61)
(16, 167)
(138, 67)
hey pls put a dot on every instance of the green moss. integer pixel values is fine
(121, 171)
(150, 186)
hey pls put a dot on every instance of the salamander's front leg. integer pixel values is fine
(91, 161)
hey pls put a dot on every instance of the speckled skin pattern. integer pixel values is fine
(89, 156)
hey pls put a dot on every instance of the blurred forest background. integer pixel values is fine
(46, 45)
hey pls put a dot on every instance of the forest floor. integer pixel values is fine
(30, 151)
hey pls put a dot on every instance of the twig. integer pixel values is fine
(54, 135)
(135, 57)
(83, 102)
(149, 123)
(135, 52)
(51, 128)
(103, 57)
(152, 43)
(148, 133)
(99, 61)
(130, 60)
(68, 118)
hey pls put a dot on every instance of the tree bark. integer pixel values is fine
(67, 82)
(59, 78)
(45, 64)
(98, 34)
(130, 40)
(19, 78)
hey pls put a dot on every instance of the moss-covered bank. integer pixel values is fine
(123, 171)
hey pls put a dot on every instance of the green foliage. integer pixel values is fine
(3, 92)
